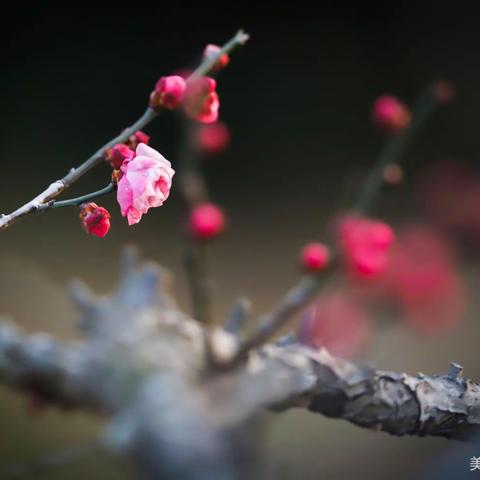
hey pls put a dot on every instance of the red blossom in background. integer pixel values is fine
(201, 100)
(314, 257)
(95, 219)
(168, 93)
(423, 280)
(449, 194)
(390, 114)
(365, 245)
(337, 322)
(116, 155)
(444, 92)
(212, 50)
(206, 221)
(212, 139)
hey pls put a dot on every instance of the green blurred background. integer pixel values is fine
(297, 99)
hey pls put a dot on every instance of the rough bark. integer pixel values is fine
(158, 375)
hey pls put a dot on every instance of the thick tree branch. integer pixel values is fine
(148, 367)
(400, 404)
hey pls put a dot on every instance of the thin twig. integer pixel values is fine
(394, 149)
(294, 301)
(57, 187)
(75, 202)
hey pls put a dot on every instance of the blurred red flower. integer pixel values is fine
(422, 279)
(337, 322)
(449, 193)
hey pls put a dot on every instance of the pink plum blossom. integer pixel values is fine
(145, 183)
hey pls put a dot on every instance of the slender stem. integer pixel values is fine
(57, 187)
(240, 38)
(394, 149)
(74, 202)
(295, 299)
(199, 282)
(98, 156)
(194, 190)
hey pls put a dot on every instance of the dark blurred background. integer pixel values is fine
(297, 99)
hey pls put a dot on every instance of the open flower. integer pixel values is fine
(145, 183)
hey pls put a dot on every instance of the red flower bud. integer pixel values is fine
(95, 219)
(206, 221)
(213, 50)
(365, 244)
(314, 257)
(444, 92)
(390, 115)
(212, 139)
(116, 155)
(392, 174)
(136, 138)
(168, 93)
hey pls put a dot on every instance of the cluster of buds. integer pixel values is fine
(122, 152)
(197, 95)
(365, 245)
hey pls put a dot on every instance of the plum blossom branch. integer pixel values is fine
(57, 187)
(307, 288)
